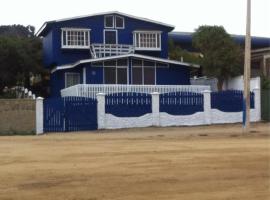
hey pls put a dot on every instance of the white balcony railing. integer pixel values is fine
(90, 90)
(104, 50)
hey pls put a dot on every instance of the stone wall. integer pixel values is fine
(17, 116)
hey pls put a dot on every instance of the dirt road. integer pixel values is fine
(199, 163)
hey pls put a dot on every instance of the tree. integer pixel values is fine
(177, 53)
(222, 58)
(20, 56)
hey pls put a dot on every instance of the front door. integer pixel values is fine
(110, 36)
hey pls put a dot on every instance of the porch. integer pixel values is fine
(91, 90)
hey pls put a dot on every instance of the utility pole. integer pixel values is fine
(246, 110)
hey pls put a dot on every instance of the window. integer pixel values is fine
(110, 36)
(149, 76)
(115, 72)
(137, 76)
(149, 73)
(143, 72)
(75, 38)
(147, 40)
(111, 21)
(109, 75)
(119, 22)
(71, 79)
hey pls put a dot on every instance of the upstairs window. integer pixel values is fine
(119, 22)
(114, 21)
(75, 38)
(147, 40)
(109, 21)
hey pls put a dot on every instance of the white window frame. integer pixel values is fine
(105, 21)
(71, 73)
(158, 38)
(114, 21)
(84, 30)
(123, 27)
(116, 35)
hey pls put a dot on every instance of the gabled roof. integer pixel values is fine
(162, 60)
(45, 25)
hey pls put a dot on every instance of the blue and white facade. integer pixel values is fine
(110, 48)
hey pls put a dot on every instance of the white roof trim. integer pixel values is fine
(104, 13)
(124, 56)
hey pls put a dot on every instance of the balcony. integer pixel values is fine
(105, 50)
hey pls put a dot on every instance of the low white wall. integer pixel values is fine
(166, 119)
(219, 117)
(113, 122)
(237, 83)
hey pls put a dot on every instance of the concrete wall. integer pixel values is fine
(17, 115)
(156, 118)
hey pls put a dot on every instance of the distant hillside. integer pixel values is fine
(17, 31)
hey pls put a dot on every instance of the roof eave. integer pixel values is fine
(174, 62)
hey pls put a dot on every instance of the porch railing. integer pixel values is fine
(90, 90)
(104, 50)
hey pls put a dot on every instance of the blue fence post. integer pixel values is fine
(39, 116)
(155, 108)
(207, 106)
(101, 111)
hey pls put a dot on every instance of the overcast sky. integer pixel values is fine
(186, 15)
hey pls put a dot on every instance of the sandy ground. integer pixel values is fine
(198, 163)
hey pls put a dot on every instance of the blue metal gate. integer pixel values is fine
(70, 114)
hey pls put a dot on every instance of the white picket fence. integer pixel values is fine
(90, 90)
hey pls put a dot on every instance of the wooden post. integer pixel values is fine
(246, 110)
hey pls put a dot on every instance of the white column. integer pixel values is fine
(155, 108)
(207, 106)
(39, 116)
(101, 110)
(257, 103)
(84, 75)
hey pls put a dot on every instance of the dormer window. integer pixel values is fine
(147, 40)
(114, 21)
(119, 22)
(109, 21)
(74, 38)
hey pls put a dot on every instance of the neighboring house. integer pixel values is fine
(260, 54)
(110, 48)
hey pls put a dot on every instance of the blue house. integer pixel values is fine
(110, 48)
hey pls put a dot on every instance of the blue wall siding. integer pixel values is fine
(174, 75)
(48, 49)
(94, 75)
(125, 36)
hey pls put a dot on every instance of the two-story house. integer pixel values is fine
(110, 48)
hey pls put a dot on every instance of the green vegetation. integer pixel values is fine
(20, 56)
(222, 58)
(177, 53)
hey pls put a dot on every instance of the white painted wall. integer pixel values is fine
(237, 83)
(39, 116)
